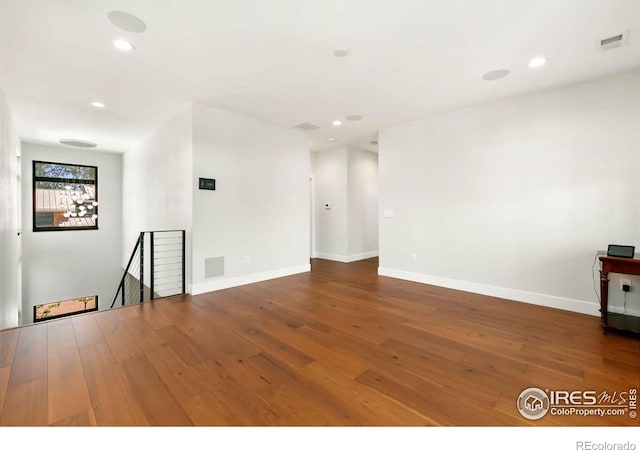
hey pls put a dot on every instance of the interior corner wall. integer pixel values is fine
(10, 291)
(362, 195)
(257, 219)
(330, 174)
(157, 184)
(513, 198)
(61, 265)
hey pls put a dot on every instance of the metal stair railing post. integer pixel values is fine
(151, 259)
(124, 276)
(183, 261)
(141, 267)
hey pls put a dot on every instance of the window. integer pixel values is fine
(65, 197)
(48, 311)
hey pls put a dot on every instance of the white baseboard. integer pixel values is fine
(225, 283)
(534, 298)
(361, 256)
(621, 310)
(332, 257)
(346, 258)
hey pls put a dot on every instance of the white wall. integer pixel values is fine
(157, 176)
(513, 198)
(258, 216)
(362, 196)
(10, 292)
(330, 174)
(60, 265)
(347, 178)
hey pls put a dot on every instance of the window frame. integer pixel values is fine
(35, 179)
(60, 316)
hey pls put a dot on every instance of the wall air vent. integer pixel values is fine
(306, 126)
(614, 41)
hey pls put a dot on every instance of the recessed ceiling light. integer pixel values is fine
(495, 74)
(331, 139)
(123, 45)
(538, 61)
(127, 22)
(78, 143)
(340, 52)
(97, 104)
(336, 123)
(354, 117)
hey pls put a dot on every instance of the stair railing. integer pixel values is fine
(163, 265)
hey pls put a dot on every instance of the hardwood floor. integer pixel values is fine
(337, 346)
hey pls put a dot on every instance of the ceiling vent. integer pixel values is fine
(306, 126)
(615, 41)
(78, 143)
(127, 22)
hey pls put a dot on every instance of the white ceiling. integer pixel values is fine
(273, 60)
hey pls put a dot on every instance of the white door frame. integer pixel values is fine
(312, 227)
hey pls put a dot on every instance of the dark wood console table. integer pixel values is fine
(616, 321)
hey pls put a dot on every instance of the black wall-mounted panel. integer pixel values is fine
(621, 251)
(208, 184)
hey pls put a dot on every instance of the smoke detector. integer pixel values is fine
(611, 42)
